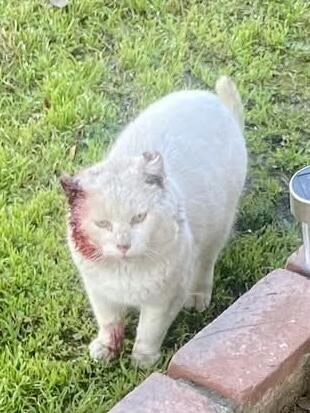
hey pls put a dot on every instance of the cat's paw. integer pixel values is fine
(199, 301)
(100, 351)
(143, 360)
(109, 342)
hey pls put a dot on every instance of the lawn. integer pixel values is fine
(70, 79)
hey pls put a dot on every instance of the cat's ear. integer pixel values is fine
(153, 170)
(71, 186)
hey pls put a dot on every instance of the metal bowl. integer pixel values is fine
(300, 195)
(300, 205)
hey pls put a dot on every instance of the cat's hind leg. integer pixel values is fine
(199, 296)
(201, 292)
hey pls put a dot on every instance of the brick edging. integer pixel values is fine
(252, 358)
(296, 263)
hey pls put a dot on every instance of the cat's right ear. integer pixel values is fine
(70, 186)
(153, 168)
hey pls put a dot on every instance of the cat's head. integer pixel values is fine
(122, 209)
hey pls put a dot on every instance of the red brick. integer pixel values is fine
(297, 263)
(255, 344)
(160, 394)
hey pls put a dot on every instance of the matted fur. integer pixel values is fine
(155, 214)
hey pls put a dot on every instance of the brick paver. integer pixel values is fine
(255, 344)
(297, 263)
(160, 394)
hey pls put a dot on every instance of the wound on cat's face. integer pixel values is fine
(76, 201)
(71, 187)
(118, 209)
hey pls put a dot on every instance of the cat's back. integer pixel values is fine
(181, 103)
(195, 132)
(180, 117)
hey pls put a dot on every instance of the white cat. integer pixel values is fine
(146, 225)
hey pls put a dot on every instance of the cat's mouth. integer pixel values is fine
(122, 257)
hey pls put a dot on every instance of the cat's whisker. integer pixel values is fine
(150, 255)
(154, 251)
(196, 294)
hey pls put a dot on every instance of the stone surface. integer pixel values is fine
(284, 393)
(253, 346)
(160, 394)
(297, 263)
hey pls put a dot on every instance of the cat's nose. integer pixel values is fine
(123, 248)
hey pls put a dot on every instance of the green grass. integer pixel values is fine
(69, 80)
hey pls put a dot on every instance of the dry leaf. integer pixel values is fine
(59, 3)
(46, 103)
(304, 403)
(72, 152)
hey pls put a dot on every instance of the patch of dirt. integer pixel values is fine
(283, 212)
(301, 406)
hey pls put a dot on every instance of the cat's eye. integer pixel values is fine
(137, 219)
(104, 224)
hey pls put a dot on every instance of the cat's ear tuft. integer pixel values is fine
(154, 171)
(71, 186)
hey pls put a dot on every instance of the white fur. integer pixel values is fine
(173, 251)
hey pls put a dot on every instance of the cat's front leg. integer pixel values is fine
(153, 325)
(110, 319)
(108, 343)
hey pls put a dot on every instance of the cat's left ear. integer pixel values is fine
(71, 186)
(154, 171)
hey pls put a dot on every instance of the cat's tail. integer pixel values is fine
(229, 95)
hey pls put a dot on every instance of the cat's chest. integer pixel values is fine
(131, 285)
